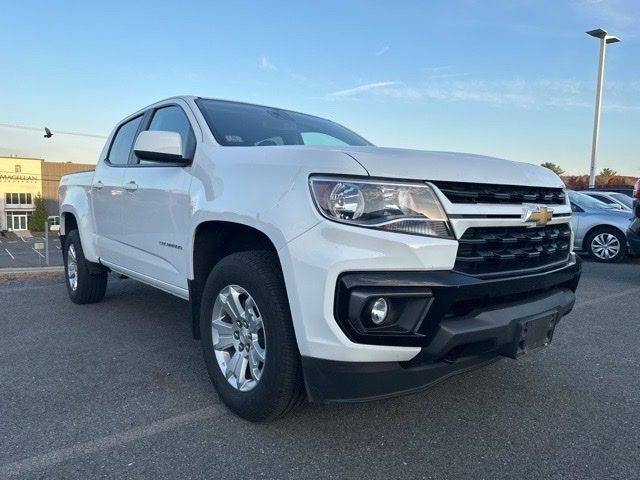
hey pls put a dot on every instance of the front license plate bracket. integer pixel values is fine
(531, 334)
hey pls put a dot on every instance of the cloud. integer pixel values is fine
(449, 75)
(516, 92)
(265, 64)
(382, 51)
(443, 71)
(368, 87)
(438, 69)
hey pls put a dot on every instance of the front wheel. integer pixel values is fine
(607, 245)
(83, 285)
(248, 341)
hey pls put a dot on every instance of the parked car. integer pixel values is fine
(316, 264)
(599, 229)
(54, 223)
(623, 189)
(633, 234)
(613, 199)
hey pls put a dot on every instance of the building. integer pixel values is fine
(20, 183)
(51, 174)
(22, 180)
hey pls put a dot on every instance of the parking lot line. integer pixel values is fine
(110, 441)
(9, 254)
(32, 248)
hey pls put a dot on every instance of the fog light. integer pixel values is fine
(379, 311)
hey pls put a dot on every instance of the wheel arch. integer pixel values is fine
(212, 241)
(595, 228)
(68, 222)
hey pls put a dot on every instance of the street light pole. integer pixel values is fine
(605, 39)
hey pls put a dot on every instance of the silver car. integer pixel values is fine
(613, 199)
(599, 229)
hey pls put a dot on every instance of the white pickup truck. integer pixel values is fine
(317, 265)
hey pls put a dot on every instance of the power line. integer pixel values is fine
(63, 132)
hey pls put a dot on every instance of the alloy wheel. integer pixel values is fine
(605, 246)
(72, 267)
(238, 337)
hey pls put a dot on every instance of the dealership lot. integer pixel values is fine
(25, 252)
(119, 390)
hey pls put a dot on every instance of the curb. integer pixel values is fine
(13, 270)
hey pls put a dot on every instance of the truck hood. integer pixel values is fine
(449, 166)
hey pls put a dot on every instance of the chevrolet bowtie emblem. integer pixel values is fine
(537, 213)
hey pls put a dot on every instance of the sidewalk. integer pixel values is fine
(29, 272)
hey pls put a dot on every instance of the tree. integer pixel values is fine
(576, 181)
(553, 167)
(39, 216)
(607, 172)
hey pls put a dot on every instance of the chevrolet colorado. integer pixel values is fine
(317, 265)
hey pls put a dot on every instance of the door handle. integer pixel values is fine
(98, 185)
(131, 186)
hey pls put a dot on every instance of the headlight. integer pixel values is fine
(395, 206)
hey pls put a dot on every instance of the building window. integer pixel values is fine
(18, 169)
(18, 198)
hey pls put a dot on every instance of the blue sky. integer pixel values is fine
(510, 78)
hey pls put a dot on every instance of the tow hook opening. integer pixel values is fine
(469, 350)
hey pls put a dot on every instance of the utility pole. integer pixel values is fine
(605, 39)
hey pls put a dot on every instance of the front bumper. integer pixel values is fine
(469, 323)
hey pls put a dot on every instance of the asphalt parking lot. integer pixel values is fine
(22, 252)
(119, 390)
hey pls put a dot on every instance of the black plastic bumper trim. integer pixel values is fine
(459, 345)
(455, 295)
(328, 381)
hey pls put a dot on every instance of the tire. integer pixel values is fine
(606, 245)
(279, 386)
(90, 282)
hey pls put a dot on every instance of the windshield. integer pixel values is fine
(624, 199)
(244, 125)
(585, 201)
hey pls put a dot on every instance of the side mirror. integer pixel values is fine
(159, 146)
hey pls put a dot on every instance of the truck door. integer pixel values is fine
(107, 192)
(156, 206)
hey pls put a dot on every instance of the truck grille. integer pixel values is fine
(458, 192)
(498, 250)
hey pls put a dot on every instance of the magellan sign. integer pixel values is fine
(18, 178)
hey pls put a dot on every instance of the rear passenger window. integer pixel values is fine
(173, 119)
(604, 199)
(123, 141)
